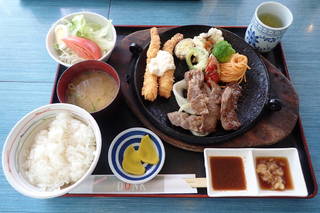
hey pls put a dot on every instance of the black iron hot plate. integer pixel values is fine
(250, 106)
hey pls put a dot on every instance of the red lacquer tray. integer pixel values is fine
(179, 161)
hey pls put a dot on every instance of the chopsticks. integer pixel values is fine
(196, 182)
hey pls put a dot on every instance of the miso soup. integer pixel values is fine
(92, 90)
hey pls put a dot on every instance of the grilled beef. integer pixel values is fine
(229, 99)
(195, 95)
(205, 101)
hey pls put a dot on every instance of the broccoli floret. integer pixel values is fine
(223, 51)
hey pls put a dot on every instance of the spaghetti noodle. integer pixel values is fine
(235, 69)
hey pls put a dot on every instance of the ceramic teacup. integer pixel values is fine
(263, 37)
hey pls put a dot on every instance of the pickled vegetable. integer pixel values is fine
(131, 162)
(147, 152)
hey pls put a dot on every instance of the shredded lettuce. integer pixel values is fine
(79, 26)
(101, 35)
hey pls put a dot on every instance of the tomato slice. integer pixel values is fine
(83, 47)
(211, 72)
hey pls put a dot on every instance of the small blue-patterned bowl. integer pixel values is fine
(119, 145)
(263, 37)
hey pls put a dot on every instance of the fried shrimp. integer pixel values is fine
(154, 44)
(167, 79)
(170, 44)
(150, 81)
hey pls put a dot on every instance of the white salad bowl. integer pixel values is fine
(20, 140)
(89, 16)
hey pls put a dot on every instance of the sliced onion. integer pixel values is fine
(183, 103)
(199, 134)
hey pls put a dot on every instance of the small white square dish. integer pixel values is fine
(292, 183)
(268, 172)
(230, 172)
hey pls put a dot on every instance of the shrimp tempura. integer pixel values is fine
(150, 81)
(166, 81)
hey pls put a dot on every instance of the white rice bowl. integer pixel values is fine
(60, 154)
(51, 150)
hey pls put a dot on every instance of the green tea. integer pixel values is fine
(271, 20)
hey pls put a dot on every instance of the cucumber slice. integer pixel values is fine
(201, 57)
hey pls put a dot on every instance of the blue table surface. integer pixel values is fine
(27, 73)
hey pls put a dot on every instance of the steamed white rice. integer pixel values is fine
(61, 154)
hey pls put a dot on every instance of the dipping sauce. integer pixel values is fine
(227, 173)
(92, 90)
(273, 173)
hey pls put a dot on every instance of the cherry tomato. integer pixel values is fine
(212, 70)
(83, 47)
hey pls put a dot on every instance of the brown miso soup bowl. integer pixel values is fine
(89, 66)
